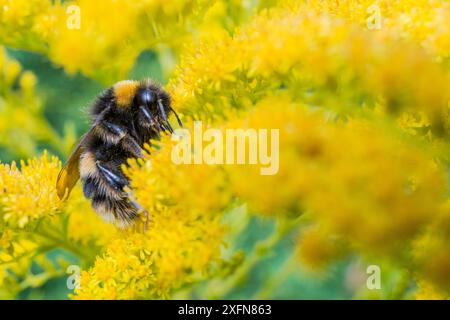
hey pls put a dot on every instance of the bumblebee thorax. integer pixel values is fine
(124, 92)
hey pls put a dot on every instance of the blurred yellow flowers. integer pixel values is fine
(364, 121)
(115, 32)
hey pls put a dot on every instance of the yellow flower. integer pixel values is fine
(85, 226)
(176, 250)
(422, 21)
(363, 117)
(427, 291)
(184, 233)
(23, 23)
(320, 60)
(157, 181)
(74, 34)
(317, 249)
(364, 186)
(29, 194)
(430, 250)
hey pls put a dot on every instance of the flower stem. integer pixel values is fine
(222, 288)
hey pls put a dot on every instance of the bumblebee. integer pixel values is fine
(124, 117)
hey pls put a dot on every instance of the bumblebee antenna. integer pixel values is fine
(163, 113)
(176, 115)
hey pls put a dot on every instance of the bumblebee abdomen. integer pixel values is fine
(103, 180)
(107, 197)
(120, 212)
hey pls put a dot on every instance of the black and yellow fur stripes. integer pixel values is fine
(124, 117)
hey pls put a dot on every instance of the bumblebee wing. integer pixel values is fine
(70, 172)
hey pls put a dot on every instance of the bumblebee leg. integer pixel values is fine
(120, 134)
(132, 146)
(115, 178)
(147, 114)
(114, 129)
(146, 221)
(89, 187)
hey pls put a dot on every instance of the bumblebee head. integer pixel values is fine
(146, 99)
(153, 104)
(146, 102)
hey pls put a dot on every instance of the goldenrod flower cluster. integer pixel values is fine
(368, 165)
(317, 56)
(358, 90)
(425, 22)
(28, 198)
(29, 194)
(184, 233)
(116, 31)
